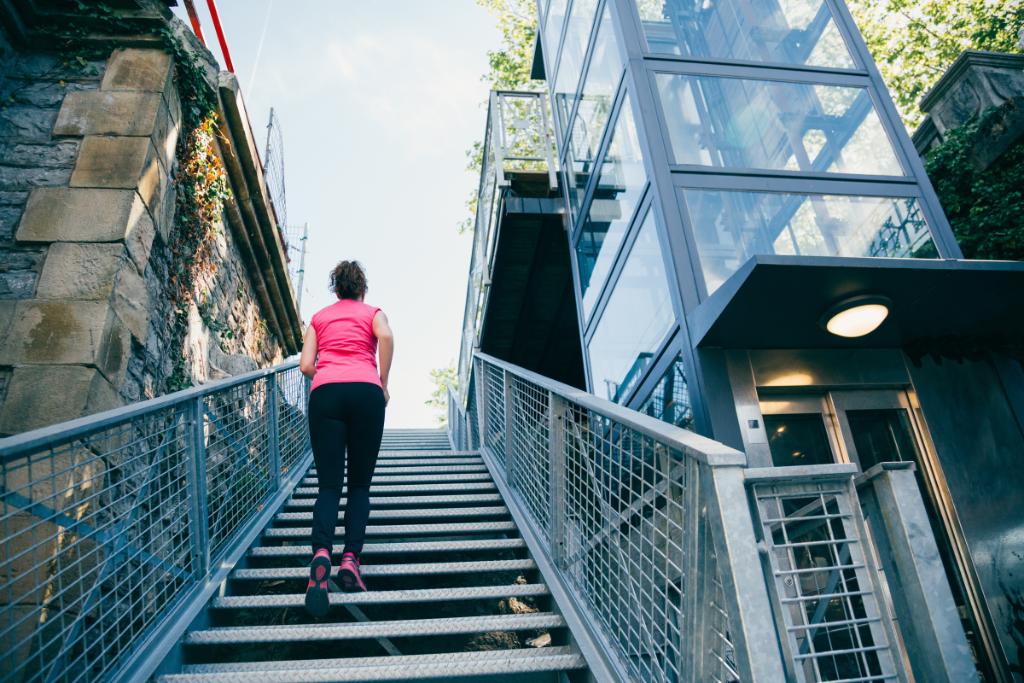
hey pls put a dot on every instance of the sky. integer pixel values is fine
(378, 102)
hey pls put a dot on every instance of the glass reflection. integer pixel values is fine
(670, 400)
(730, 227)
(593, 112)
(574, 48)
(783, 31)
(775, 125)
(552, 33)
(638, 316)
(619, 186)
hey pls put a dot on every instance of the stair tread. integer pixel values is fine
(406, 513)
(409, 488)
(396, 548)
(400, 529)
(397, 501)
(392, 660)
(383, 597)
(375, 629)
(379, 478)
(419, 568)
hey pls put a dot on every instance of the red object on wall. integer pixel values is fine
(220, 35)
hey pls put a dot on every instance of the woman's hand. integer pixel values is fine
(387, 395)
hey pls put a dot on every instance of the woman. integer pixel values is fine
(346, 420)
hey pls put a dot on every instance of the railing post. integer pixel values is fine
(481, 402)
(931, 628)
(273, 438)
(732, 531)
(507, 406)
(556, 476)
(197, 489)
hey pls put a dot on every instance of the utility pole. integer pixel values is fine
(302, 264)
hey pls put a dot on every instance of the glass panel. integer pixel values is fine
(638, 316)
(783, 31)
(552, 32)
(798, 439)
(574, 47)
(594, 108)
(730, 227)
(881, 436)
(618, 190)
(670, 400)
(774, 125)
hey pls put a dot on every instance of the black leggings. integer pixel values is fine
(344, 416)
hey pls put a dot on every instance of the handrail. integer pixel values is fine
(671, 560)
(125, 522)
(19, 444)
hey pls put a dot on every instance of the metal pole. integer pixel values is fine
(272, 430)
(212, 4)
(556, 476)
(197, 489)
(193, 17)
(302, 266)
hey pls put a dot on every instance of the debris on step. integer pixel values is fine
(543, 640)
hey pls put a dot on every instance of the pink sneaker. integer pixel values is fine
(317, 601)
(348, 574)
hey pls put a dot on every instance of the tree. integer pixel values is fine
(443, 379)
(915, 41)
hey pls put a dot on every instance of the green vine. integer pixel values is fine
(985, 207)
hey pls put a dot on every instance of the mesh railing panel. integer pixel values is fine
(292, 392)
(833, 618)
(527, 452)
(96, 543)
(494, 414)
(239, 473)
(99, 533)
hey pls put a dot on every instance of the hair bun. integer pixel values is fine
(348, 280)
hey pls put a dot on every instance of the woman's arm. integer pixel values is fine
(385, 349)
(307, 361)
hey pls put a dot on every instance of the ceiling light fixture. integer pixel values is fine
(856, 316)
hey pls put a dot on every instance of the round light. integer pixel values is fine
(857, 316)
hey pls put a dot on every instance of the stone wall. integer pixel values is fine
(88, 318)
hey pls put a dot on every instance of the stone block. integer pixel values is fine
(67, 333)
(101, 112)
(17, 179)
(131, 302)
(19, 271)
(120, 162)
(26, 124)
(76, 214)
(139, 233)
(59, 154)
(165, 136)
(81, 270)
(138, 69)
(41, 395)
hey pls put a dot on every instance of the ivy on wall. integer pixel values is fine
(985, 207)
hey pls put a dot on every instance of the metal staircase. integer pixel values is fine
(453, 592)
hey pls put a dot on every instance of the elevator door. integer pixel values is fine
(867, 427)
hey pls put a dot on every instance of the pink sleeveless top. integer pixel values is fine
(346, 345)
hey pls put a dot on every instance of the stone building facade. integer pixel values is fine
(89, 319)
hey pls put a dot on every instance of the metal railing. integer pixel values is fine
(679, 562)
(117, 527)
(517, 138)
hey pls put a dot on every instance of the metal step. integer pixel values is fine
(413, 569)
(233, 635)
(413, 513)
(395, 463)
(399, 660)
(404, 529)
(413, 488)
(416, 478)
(414, 595)
(304, 551)
(443, 666)
(424, 469)
(398, 501)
